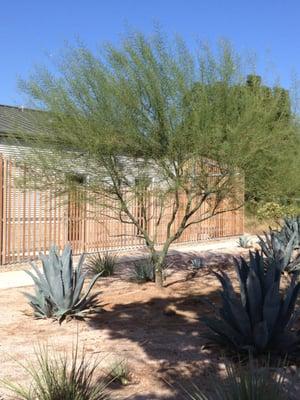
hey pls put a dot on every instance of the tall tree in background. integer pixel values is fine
(149, 116)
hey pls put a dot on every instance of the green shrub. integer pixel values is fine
(119, 372)
(244, 382)
(103, 264)
(58, 289)
(274, 211)
(260, 320)
(144, 271)
(59, 377)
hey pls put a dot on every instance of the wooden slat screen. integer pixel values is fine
(30, 221)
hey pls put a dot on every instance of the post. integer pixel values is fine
(1, 209)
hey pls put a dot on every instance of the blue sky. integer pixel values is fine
(30, 29)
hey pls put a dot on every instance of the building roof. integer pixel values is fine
(14, 119)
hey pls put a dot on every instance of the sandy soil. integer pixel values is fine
(157, 331)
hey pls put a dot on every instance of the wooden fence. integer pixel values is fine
(30, 221)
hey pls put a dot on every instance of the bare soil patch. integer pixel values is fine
(157, 331)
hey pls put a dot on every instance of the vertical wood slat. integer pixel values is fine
(31, 220)
(1, 208)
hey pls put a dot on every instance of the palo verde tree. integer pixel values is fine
(150, 121)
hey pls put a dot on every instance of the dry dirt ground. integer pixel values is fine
(157, 331)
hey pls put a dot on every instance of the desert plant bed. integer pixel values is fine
(156, 331)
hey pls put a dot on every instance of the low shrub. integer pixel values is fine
(261, 318)
(274, 211)
(58, 289)
(119, 372)
(144, 271)
(244, 382)
(59, 377)
(103, 264)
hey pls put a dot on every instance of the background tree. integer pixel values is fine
(150, 117)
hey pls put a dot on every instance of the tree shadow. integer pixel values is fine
(170, 333)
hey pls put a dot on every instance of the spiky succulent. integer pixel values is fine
(281, 246)
(102, 263)
(58, 287)
(144, 271)
(260, 319)
(244, 241)
(197, 263)
(291, 226)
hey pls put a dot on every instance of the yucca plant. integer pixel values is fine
(103, 264)
(61, 377)
(58, 290)
(144, 271)
(260, 319)
(243, 382)
(119, 371)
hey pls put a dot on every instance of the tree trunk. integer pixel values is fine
(159, 278)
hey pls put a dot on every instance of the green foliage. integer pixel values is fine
(260, 320)
(58, 289)
(103, 264)
(151, 111)
(60, 377)
(244, 382)
(274, 211)
(119, 372)
(144, 271)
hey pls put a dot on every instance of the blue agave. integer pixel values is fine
(58, 288)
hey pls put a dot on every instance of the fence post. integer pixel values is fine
(1, 209)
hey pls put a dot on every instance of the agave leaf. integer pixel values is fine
(261, 335)
(288, 305)
(271, 306)
(84, 297)
(39, 280)
(289, 251)
(224, 330)
(226, 283)
(78, 288)
(67, 268)
(254, 297)
(242, 270)
(80, 263)
(234, 308)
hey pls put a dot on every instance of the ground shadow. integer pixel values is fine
(170, 332)
(168, 325)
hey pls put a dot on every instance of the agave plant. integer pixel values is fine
(260, 319)
(280, 247)
(244, 241)
(290, 226)
(58, 289)
(197, 263)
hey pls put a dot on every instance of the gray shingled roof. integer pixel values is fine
(15, 119)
